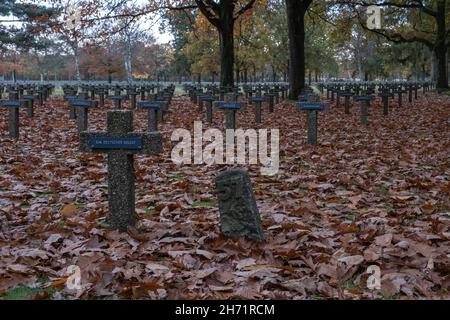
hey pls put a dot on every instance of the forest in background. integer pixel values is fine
(112, 40)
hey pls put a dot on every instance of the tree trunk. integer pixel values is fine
(295, 10)
(274, 73)
(226, 40)
(77, 64)
(440, 49)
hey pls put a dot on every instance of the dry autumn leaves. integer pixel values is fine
(374, 195)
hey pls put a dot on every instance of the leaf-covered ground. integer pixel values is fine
(375, 195)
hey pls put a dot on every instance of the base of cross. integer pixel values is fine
(121, 143)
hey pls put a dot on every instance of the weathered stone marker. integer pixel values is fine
(72, 110)
(133, 94)
(209, 107)
(117, 101)
(13, 119)
(270, 98)
(82, 107)
(101, 97)
(346, 96)
(231, 108)
(153, 109)
(385, 99)
(364, 103)
(199, 100)
(400, 97)
(30, 104)
(121, 143)
(239, 215)
(312, 109)
(257, 101)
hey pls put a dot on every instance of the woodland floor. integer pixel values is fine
(375, 195)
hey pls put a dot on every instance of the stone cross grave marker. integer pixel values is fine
(239, 215)
(257, 101)
(13, 118)
(30, 104)
(131, 92)
(270, 98)
(346, 96)
(121, 143)
(385, 99)
(82, 110)
(312, 109)
(72, 110)
(410, 88)
(101, 96)
(364, 103)
(154, 108)
(400, 92)
(117, 101)
(199, 100)
(209, 107)
(230, 108)
(338, 97)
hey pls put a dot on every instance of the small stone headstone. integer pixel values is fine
(239, 215)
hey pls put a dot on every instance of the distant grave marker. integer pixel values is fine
(257, 101)
(230, 108)
(153, 109)
(82, 110)
(312, 109)
(364, 103)
(346, 96)
(209, 107)
(385, 99)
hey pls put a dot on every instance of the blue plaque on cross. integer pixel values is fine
(314, 106)
(149, 105)
(131, 143)
(363, 98)
(7, 103)
(229, 105)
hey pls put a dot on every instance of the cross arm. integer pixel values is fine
(83, 103)
(12, 103)
(132, 143)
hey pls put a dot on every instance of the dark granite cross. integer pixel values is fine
(117, 101)
(231, 108)
(133, 94)
(400, 92)
(364, 103)
(257, 101)
(101, 97)
(13, 119)
(385, 99)
(209, 109)
(346, 96)
(121, 143)
(30, 104)
(311, 109)
(82, 107)
(154, 108)
(270, 98)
